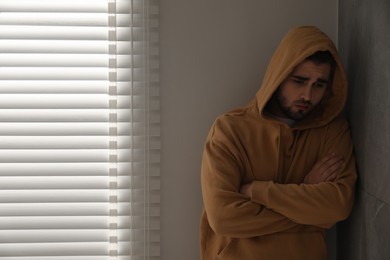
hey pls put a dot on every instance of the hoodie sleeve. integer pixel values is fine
(229, 212)
(322, 204)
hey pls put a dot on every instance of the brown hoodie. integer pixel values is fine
(284, 219)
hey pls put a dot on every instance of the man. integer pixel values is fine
(280, 171)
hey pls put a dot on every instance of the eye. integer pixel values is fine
(298, 81)
(319, 85)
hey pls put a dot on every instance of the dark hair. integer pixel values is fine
(324, 57)
(321, 57)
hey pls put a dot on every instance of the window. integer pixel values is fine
(79, 129)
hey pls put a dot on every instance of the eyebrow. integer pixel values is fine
(306, 79)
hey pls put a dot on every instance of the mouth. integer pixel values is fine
(302, 106)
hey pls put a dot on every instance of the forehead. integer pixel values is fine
(312, 70)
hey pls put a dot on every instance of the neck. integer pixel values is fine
(275, 112)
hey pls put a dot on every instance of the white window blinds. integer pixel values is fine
(79, 130)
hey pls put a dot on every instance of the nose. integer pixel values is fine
(306, 93)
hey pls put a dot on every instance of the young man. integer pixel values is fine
(279, 172)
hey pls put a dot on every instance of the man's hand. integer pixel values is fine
(325, 169)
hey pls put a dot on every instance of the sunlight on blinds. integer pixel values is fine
(79, 130)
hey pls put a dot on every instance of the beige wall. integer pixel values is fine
(213, 56)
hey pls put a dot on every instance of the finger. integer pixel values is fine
(326, 160)
(329, 169)
(332, 177)
(333, 170)
(330, 162)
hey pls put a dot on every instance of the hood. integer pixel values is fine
(295, 47)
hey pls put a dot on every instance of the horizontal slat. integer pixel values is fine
(128, 214)
(69, 73)
(74, 210)
(70, 222)
(123, 6)
(74, 128)
(58, 236)
(46, 196)
(61, 258)
(74, 142)
(68, 236)
(54, 32)
(58, 129)
(68, 60)
(61, 169)
(55, 101)
(54, 249)
(71, 101)
(74, 86)
(56, 222)
(76, 155)
(77, 115)
(71, 195)
(120, 257)
(53, 5)
(155, 256)
(56, 86)
(54, 18)
(58, 142)
(53, 60)
(75, 250)
(77, 169)
(74, 183)
(57, 115)
(21, 156)
(69, 19)
(70, 33)
(93, 6)
(56, 73)
(56, 46)
(54, 182)
(54, 209)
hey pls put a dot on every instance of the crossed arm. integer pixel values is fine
(324, 170)
(264, 207)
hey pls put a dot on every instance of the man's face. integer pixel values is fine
(302, 90)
